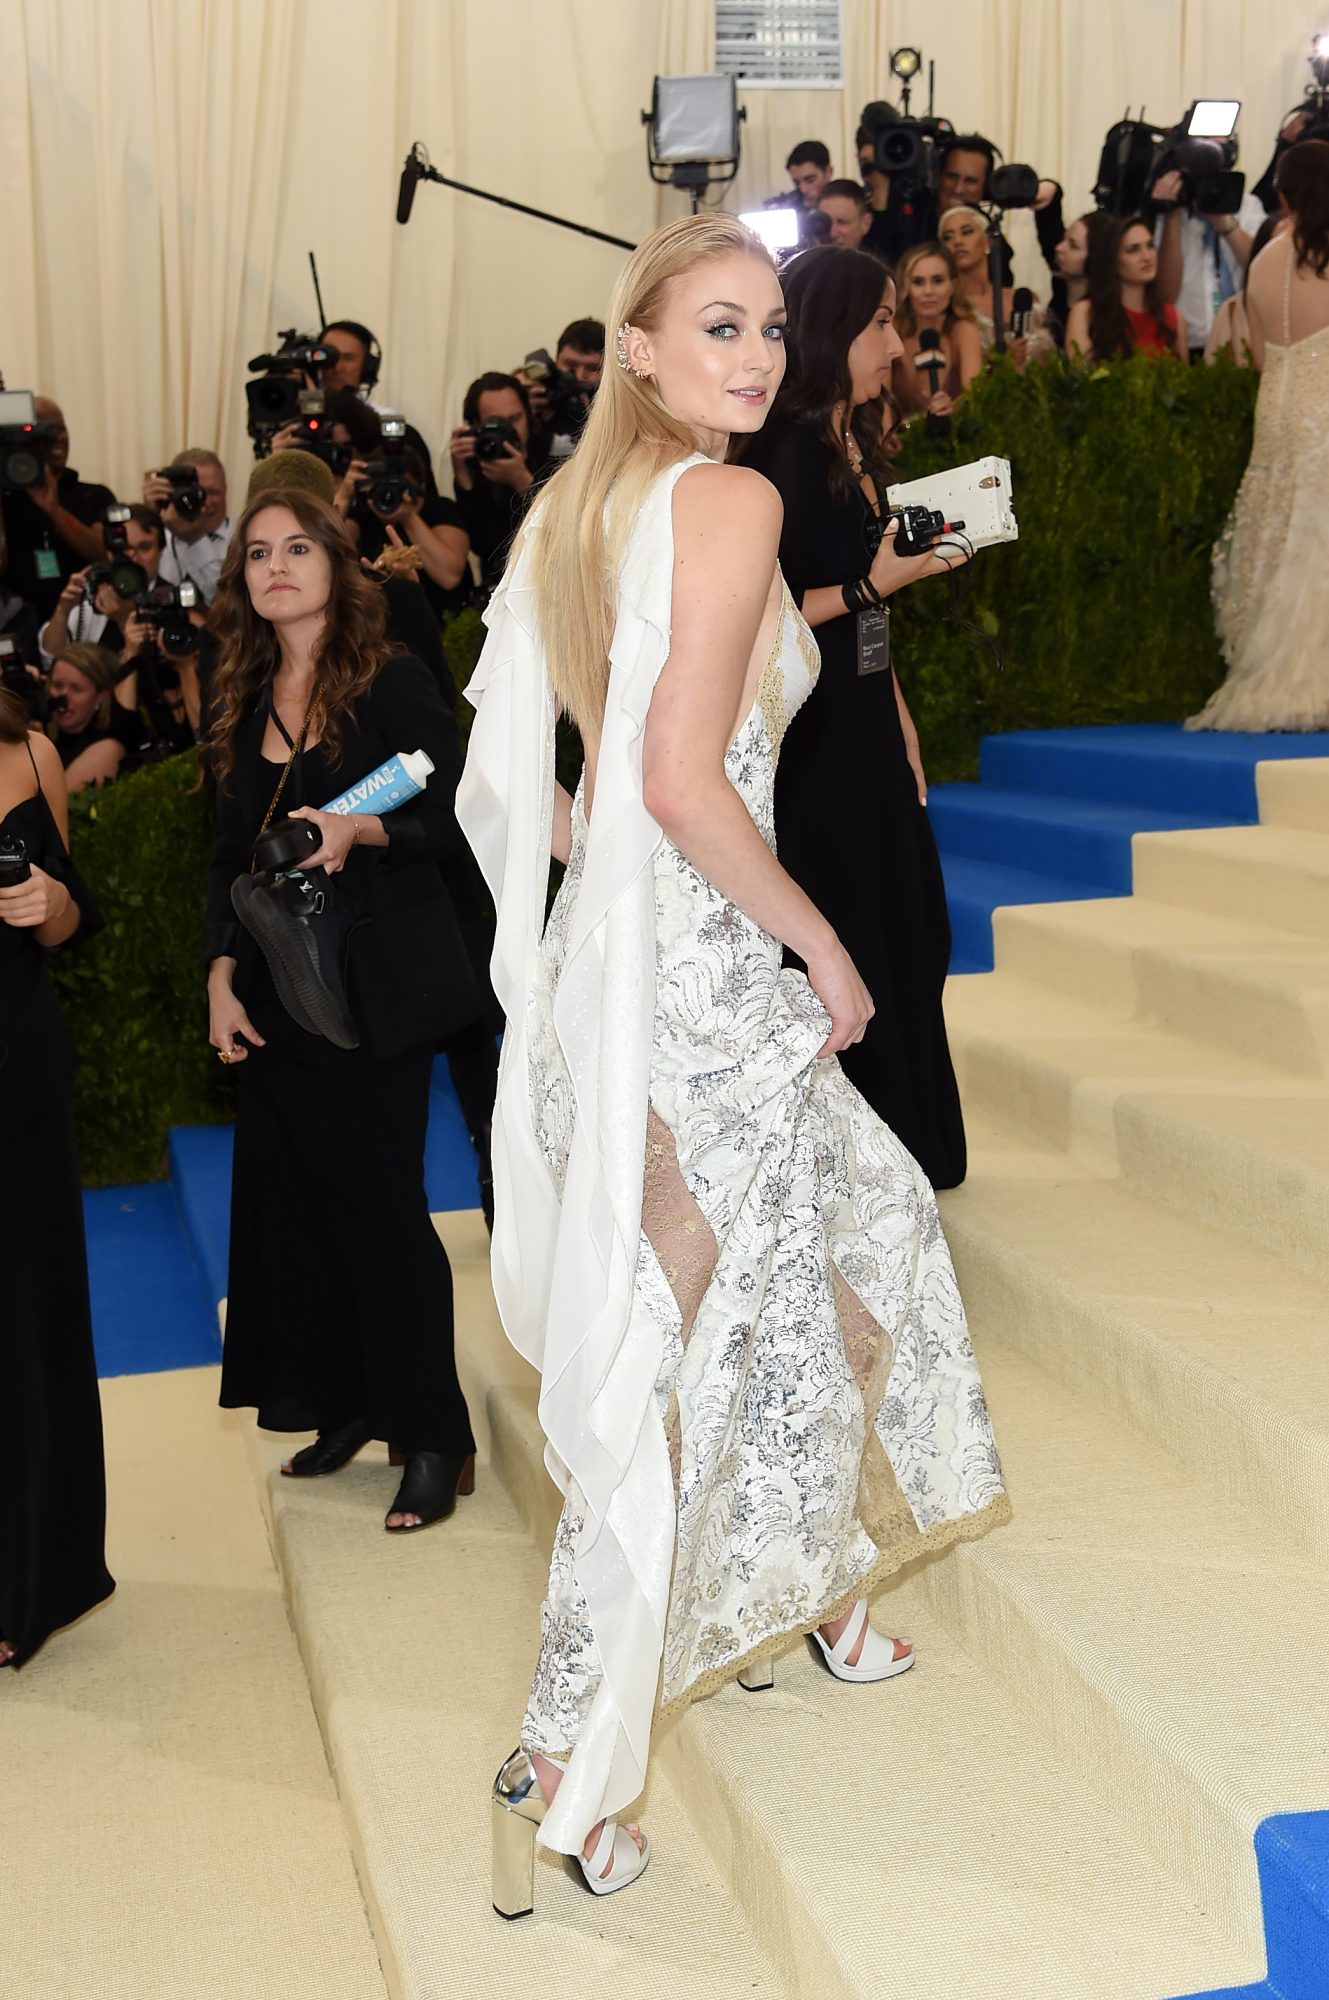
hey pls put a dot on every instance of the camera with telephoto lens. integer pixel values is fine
(387, 480)
(493, 436)
(24, 443)
(567, 400)
(165, 609)
(274, 399)
(919, 528)
(14, 864)
(126, 577)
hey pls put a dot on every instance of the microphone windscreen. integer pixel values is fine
(929, 337)
(1023, 301)
(410, 180)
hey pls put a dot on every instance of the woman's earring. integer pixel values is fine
(621, 353)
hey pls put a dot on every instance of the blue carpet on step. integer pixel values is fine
(1292, 1854)
(148, 1306)
(157, 1253)
(1053, 814)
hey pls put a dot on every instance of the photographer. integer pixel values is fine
(19, 623)
(809, 168)
(53, 528)
(1202, 258)
(359, 359)
(78, 620)
(848, 215)
(52, 1469)
(90, 729)
(194, 517)
(964, 180)
(559, 392)
(434, 526)
(492, 467)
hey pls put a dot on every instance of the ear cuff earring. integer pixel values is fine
(621, 353)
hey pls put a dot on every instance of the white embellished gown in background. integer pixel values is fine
(787, 1390)
(1271, 563)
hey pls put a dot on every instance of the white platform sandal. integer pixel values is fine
(880, 1660)
(518, 1806)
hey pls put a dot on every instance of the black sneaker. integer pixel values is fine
(301, 936)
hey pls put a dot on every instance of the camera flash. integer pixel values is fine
(777, 227)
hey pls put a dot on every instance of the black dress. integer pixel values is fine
(52, 1470)
(339, 1300)
(849, 826)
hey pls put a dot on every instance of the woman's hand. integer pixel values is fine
(226, 1017)
(348, 486)
(834, 979)
(461, 445)
(30, 904)
(940, 405)
(338, 832)
(890, 572)
(911, 749)
(72, 592)
(1018, 349)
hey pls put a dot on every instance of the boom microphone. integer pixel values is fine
(1022, 312)
(411, 175)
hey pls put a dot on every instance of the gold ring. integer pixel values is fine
(225, 1055)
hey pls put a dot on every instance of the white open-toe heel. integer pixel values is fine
(518, 1806)
(880, 1659)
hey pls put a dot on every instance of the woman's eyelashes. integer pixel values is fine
(725, 328)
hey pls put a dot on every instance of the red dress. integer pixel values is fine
(1147, 336)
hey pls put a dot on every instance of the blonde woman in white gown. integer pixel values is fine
(1271, 564)
(757, 1387)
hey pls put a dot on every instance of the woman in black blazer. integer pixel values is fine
(339, 1308)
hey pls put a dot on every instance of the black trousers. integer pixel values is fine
(339, 1304)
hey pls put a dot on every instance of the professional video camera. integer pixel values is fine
(23, 441)
(908, 149)
(567, 401)
(1202, 148)
(165, 608)
(275, 399)
(126, 577)
(386, 481)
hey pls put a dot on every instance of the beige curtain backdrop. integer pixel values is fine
(167, 165)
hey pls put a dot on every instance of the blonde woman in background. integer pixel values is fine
(757, 1389)
(964, 233)
(927, 288)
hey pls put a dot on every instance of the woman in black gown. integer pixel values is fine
(851, 818)
(339, 1306)
(52, 1471)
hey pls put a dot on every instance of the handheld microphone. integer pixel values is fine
(411, 175)
(1022, 312)
(930, 356)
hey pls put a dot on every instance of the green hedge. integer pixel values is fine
(1123, 478)
(134, 996)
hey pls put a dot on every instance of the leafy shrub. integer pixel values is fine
(1123, 478)
(134, 996)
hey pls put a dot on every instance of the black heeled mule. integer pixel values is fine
(330, 1451)
(433, 1482)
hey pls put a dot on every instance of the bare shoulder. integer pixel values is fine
(726, 504)
(47, 759)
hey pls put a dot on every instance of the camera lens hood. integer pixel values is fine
(286, 844)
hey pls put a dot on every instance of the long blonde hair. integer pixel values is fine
(905, 319)
(580, 525)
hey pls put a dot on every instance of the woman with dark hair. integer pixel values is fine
(339, 1307)
(1124, 312)
(52, 1475)
(1271, 584)
(927, 288)
(851, 818)
(1071, 283)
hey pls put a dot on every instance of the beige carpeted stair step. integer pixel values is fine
(1213, 1349)
(1263, 874)
(1227, 1141)
(1294, 791)
(1014, 1875)
(1239, 986)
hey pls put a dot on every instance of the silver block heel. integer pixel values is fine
(759, 1677)
(516, 1810)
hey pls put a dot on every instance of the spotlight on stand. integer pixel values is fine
(692, 133)
(906, 63)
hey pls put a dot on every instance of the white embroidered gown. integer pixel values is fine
(812, 1408)
(1271, 563)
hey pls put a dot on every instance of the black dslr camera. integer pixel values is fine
(275, 399)
(188, 499)
(14, 864)
(387, 479)
(567, 400)
(23, 441)
(315, 431)
(126, 577)
(493, 436)
(165, 609)
(16, 680)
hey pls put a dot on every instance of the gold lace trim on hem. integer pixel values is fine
(892, 1558)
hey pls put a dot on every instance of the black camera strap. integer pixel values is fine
(296, 746)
